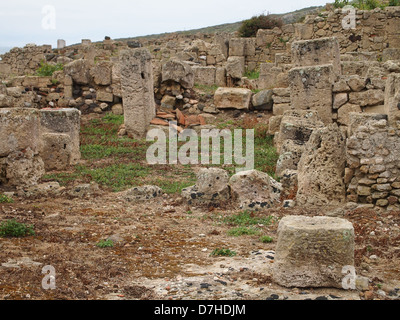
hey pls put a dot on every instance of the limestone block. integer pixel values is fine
(321, 168)
(211, 187)
(237, 47)
(23, 168)
(356, 67)
(274, 124)
(235, 67)
(79, 71)
(281, 108)
(340, 99)
(367, 98)
(63, 121)
(204, 75)
(19, 130)
(311, 88)
(303, 31)
(317, 52)
(298, 125)
(265, 37)
(178, 71)
(344, 111)
(232, 98)
(101, 73)
(138, 88)
(56, 151)
(291, 152)
(220, 77)
(359, 119)
(356, 83)
(272, 76)
(263, 100)
(312, 252)
(254, 190)
(104, 96)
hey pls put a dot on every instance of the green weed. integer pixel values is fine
(14, 229)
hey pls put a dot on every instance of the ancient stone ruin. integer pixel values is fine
(332, 97)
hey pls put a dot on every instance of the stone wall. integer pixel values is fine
(373, 164)
(23, 61)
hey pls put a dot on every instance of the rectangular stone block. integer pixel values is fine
(232, 98)
(63, 121)
(204, 75)
(137, 90)
(19, 130)
(317, 52)
(104, 96)
(269, 76)
(303, 31)
(391, 54)
(311, 88)
(220, 77)
(313, 252)
(237, 47)
(235, 67)
(56, 151)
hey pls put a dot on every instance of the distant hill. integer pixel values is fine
(291, 17)
(4, 49)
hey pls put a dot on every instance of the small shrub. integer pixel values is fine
(47, 70)
(5, 199)
(340, 3)
(266, 239)
(368, 4)
(223, 253)
(250, 27)
(105, 244)
(394, 3)
(253, 74)
(14, 229)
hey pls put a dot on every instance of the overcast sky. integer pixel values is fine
(45, 21)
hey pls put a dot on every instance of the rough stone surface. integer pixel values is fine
(211, 188)
(372, 158)
(178, 71)
(291, 152)
(56, 151)
(297, 125)
(392, 99)
(263, 100)
(345, 110)
(101, 73)
(23, 168)
(232, 98)
(204, 75)
(311, 88)
(143, 193)
(62, 121)
(321, 169)
(137, 90)
(317, 52)
(19, 130)
(254, 190)
(79, 71)
(312, 252)
(235, 67)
